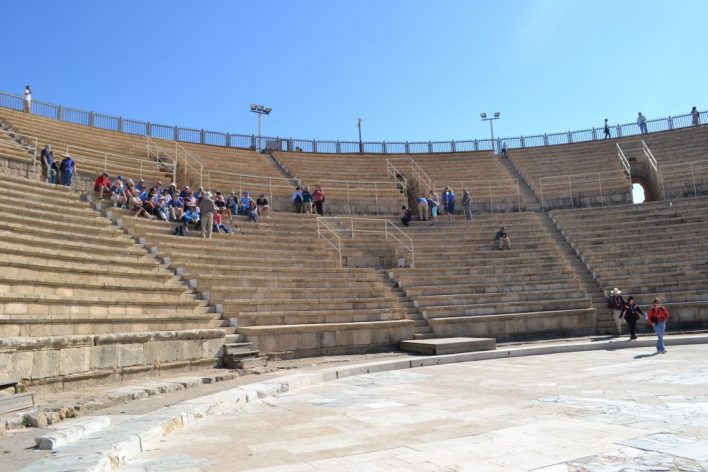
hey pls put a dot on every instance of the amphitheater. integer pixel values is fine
(95, 298)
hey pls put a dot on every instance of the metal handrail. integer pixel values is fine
(399, 178)
(215, 138)
(320, 235)
(623, 160)
(80, 151)
(26, 148)
(563, 180)
(655, 166)
(389, 230)
(288, 183)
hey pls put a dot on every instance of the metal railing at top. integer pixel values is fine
(330, 236)
(111, 160)
(247, 183)
(215, 138)
(383, 226)
(573, 185)
(30, 147)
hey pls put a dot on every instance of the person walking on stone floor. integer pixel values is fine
(616, 304)
(658, 315)
(631, 313)
(467, 204)
(607, 129)
(695, 117)
(642, 122)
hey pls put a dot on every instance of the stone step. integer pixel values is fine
(442, 346)
(503, 308)
(265, 318)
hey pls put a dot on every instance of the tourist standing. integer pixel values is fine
(207, 208)
(47, 157)
(607, 129)
(449, 199)
(318, 196)
(68, 169)
(658, 314)
(422, 208)
(297, 200)
(433, 203)
(642, 122)
(307, 200)
(695, 117)
(27, 100)
(467, 204)
(631, 314)
(616, 304)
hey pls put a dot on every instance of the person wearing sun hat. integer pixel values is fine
(616, 304)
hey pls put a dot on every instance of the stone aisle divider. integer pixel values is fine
(113, 447)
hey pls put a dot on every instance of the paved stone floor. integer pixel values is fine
(625, 410)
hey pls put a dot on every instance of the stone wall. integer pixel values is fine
(65, 361)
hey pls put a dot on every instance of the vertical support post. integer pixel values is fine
(602, 197)
(60, 114)
(430, 147)
(383, 147)
(491, 201)
(228, 140)
(570, 187)
(90, 119)
(545, 139)
(148, 129)
(671, 123)
(452, 146)
(176, 133)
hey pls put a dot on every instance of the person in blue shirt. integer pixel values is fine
(246, 201)
(422, 202)
(449, 199)
(140, 187)
(176, 206)
(68, 170)
(191, 216)
(47, 157)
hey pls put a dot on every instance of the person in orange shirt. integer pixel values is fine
(658, 314)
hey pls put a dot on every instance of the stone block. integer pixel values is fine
(74, 360)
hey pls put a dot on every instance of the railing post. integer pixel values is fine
(594, 134)
(228, 140)
(476, 145)
(253, 142)
(349, 203)
(176, 134)
(671, 123)
(545, 139)
(602, 197)
(60, 113)
(491, 201)
(452, 146)
(523, 142)
(408, 148)
(314, 145)
(338, 147)
(619, 131)
(90, 123)
(148, 129)
(570, 137)
(290, 144)
(430, 147)
(201, 136)
(383, 147)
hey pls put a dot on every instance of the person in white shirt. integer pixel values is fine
(28, 99)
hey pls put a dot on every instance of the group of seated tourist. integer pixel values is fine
(168, 203)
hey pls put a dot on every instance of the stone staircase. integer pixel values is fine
(421, 329)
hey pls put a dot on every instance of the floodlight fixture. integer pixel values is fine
(496, 116)
(260, 110)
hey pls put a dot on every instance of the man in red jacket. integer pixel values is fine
(658, 314)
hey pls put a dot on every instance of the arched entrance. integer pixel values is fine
(641, 190)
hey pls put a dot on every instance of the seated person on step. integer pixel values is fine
(221, 205)
(502, 239)
(407, 215)
(102, 185)
(262, 206)
(218, 226)
(191, 217)
(118, 193)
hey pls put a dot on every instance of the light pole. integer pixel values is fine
(496, 116)
(261, 110)
(361, 144)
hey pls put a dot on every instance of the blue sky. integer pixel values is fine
(412, 70)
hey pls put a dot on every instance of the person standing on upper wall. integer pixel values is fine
(27, 101)
(607, 129)
(642, 122)
(695, 117)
